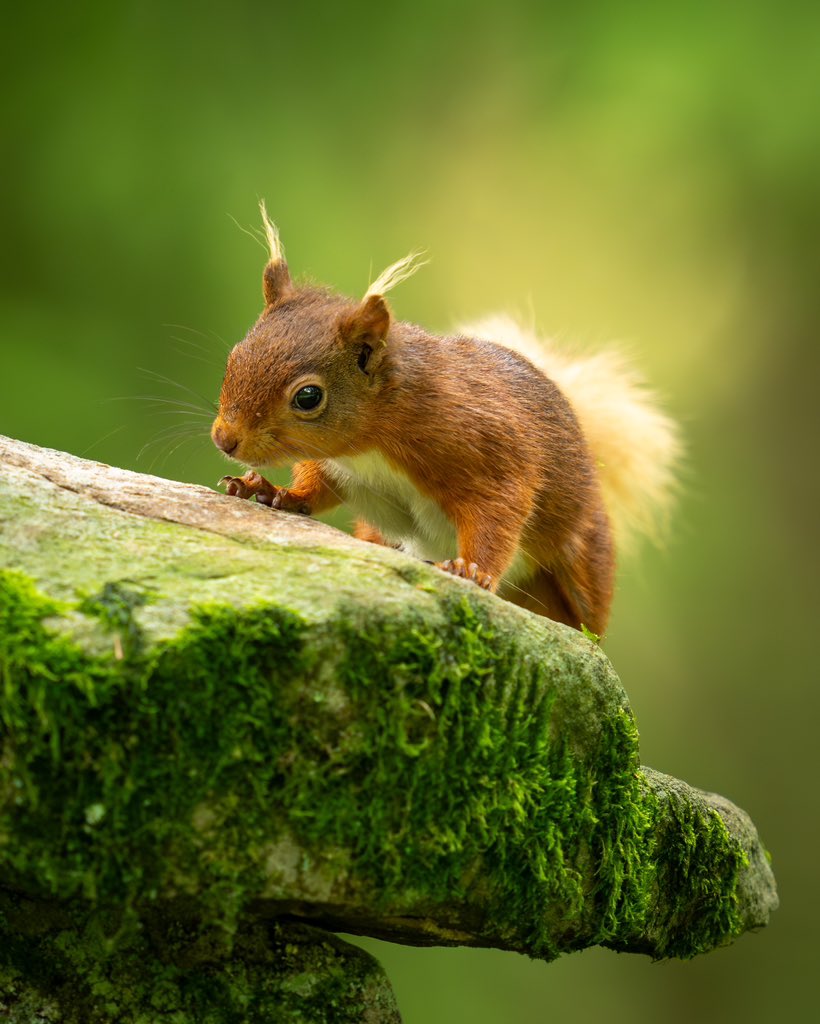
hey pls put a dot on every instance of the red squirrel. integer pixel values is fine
(459, 449)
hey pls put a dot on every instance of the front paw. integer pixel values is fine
(287, 501)
(467, 571)
(250, 485)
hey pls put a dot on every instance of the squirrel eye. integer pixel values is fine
(308, 397)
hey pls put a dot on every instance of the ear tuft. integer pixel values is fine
(276, 283)
(275, 248)
(395, 274)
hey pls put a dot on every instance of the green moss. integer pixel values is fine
(114, 606)
(698, 871)
(429, 753)
(105, 760)
(463, 757)
(57, 966)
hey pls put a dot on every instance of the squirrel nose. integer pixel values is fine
(224, 440)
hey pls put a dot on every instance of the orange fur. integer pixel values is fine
(365, 531)
(311, 485)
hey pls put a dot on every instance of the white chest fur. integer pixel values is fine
(389, 500)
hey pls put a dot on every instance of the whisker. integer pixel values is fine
(153, 375)
(183, 412)
(186, 327)
(165, 450)
(205, 335)
(187, 458)
(175, 429)
(192, 350)
(170, 434)
(180, 443)
(526, 593)
(175, 408)
(251, 233)
(100, 440)
(191, 343)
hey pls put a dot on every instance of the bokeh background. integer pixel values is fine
(645, 173)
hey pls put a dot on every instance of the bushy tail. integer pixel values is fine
(637, 447)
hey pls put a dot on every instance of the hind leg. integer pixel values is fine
(541, 594)
(574, 585)
(585, 572)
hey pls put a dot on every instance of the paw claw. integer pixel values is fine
(234, 485)
(468, 571)
(252, 485)
(248, 486)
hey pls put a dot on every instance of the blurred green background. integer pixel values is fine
(641, 172)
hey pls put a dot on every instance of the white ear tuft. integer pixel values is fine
(277, 252)
(396, 273)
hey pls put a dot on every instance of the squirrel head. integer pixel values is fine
(306, 381)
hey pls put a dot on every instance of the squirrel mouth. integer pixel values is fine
(270, 458)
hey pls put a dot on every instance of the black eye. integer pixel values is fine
(308, 397)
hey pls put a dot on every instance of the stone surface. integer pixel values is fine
(211, 707)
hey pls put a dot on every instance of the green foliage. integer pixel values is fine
(590, 635)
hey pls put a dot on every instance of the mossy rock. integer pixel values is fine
(63, 969)
(222, 713)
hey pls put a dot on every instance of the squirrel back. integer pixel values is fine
(636, 446)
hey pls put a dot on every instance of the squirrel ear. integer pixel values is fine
(276, 284)
(369, 322)
(366, 327)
